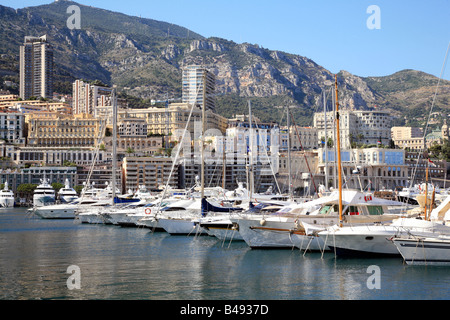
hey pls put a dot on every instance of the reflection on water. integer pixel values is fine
(129, 263)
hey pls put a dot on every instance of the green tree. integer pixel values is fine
(57, 186)
(26, 189)
(78, 189)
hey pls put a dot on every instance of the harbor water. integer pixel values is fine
(116, 263)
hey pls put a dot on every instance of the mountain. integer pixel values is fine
(144, 57)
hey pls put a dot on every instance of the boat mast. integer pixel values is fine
(251, 149)
(289, 154)
(326, 140)
(426, 190)
(114, 145)
(203, 140)
(338, 152)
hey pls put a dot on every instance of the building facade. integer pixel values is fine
(166, 121)
(36, 68)
(153, 172)
(370, 168)
(197, 80)
(11, 127)
(356, 126)
(91, 99)
(57, 130)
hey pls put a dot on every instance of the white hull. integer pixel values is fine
(431, 251)
(146, 222)
(223, 230)
(376, 239)
(92, 218)
(180, 226)
(364, 242)
(54, 212)
(268, 234)
(7, 203)
(130, 220)
(281, 232)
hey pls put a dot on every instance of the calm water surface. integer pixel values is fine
(135, 264)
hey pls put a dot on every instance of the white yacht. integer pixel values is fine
(118, 214)
(180, 218)
(376, 239)
(6, 197)
(67, 194)
(44, 194)
(294, 225)
(92, 213)
(143, 193)
(65, 210)
(424, 250)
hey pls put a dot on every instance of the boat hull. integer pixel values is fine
(47, 212)
(370, 243)
(178, 226)
(424, 251)
(268, 235)
(91, 218)
(223, 230)
(7, 203)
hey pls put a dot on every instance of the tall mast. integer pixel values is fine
(426, 191)
(338, 153)
(326, 140)
(203, 210)
(203, 136)
(289, 153)
(251, 149)
(114, 144)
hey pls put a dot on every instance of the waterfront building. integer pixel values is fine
(146, 146)
(58, 130)
(153, 172)
(27, 106)
(302, 138)
(99, 175)
(410, 138)
(417, 164)
(89, 98)
(356, 126)
(33, 175)
(11, 127)
(235, 172)
(36, 68)
(195, 80)
(166, 121)
(58, 156)
(266, 135)
(369, 168)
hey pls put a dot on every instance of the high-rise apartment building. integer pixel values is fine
(195, 80)
(36, 68)
(90, 99)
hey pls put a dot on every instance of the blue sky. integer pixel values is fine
(413, 35)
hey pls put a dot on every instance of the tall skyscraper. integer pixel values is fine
(88, 98)
(36, 68)
(193, 84)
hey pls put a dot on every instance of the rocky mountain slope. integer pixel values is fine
(144, 57)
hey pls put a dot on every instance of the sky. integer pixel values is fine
(336, 34)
